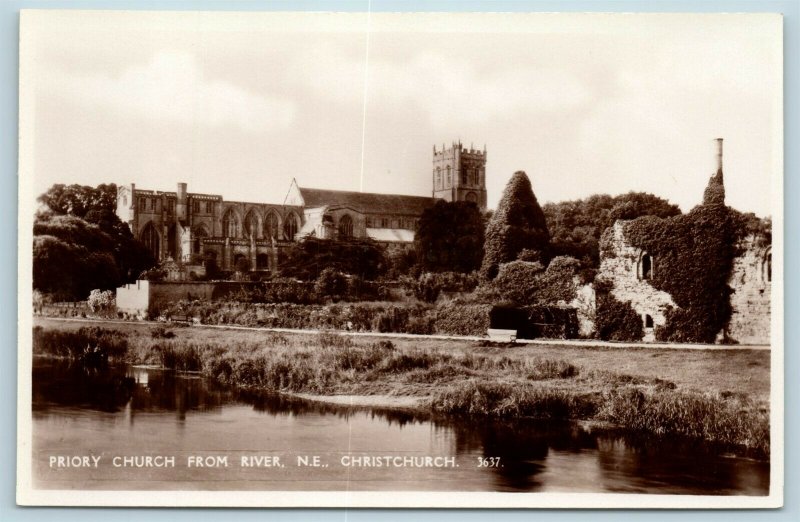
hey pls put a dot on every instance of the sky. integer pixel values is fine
(239, 104)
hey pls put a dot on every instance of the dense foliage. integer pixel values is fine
(430, 285)
(80, 244)
(450, 237)
(516, 225)
(576, 226)
(308, 258)
(715, 190)
(528, 283)
(615, 320)
(694, 256)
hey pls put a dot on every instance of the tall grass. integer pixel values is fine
(89, 344)
(733, 420)
(456, 382)
(494, 399)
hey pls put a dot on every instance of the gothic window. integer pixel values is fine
(196, 206)
(152, 203)
(438, 177)
(646, 267)
(197, 238)
(471, 197)
(449, 178)
(648, 321)
(271, 226)
(209, 207)
(230, 224)
(251, 225)
(768, 267)
(142, 204)
(464, 176)
(290, 227)
(151, 239)
(172, 242)
(345, 227)
(384, 223)
(262, 262)
(170, 206)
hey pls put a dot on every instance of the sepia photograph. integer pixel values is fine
(370, 259)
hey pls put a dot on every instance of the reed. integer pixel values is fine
(467, 380)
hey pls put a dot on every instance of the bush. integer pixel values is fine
(461, 318)
(615, 320)
(102, 301)
(429, 285)
(330, 285)
(516, 225)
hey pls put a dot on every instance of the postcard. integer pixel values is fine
(373, 259)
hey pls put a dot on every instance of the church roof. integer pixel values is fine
(367, 202)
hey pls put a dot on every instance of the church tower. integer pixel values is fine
(459, 174)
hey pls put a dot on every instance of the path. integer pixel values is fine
(585, 343)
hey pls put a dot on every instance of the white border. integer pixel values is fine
(558, 22)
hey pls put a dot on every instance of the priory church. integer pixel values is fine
(185, 227)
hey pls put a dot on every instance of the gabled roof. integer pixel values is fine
(366, 202)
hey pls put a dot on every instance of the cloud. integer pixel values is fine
(172, 87)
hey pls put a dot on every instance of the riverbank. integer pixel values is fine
(718, 396)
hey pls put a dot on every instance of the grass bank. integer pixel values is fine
(666, 392)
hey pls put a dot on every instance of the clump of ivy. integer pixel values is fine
(615, 320)
(693, 256)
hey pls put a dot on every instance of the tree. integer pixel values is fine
(80, 244)
(308, 258)
(78, 200)
(72, 257)
(450, 237)
(518, 224)
(576, 226)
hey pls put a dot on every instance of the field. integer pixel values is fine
(720, 395)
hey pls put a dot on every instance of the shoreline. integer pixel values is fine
(660, 391)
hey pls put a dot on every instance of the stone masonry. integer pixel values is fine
(624, 268)
(751, 282)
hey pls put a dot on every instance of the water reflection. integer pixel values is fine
(185, 412)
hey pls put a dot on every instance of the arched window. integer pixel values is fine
(262, 262)
(438, 177)
(271, 226)
(151, 240)
(345, 227)
(464, 176)
(197, 238)
(230, 224)
(172, 242)
(646, 271)
(251, 225)
(768, 267)
(648, 321)
(471, 197)
(449, 179)
(290, 227)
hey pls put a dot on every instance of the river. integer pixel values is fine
(115, 416)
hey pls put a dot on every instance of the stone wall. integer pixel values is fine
(585, 304)
(750, 302)
(620, 263)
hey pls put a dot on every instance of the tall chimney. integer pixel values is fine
(181, 202)
(719, 154)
